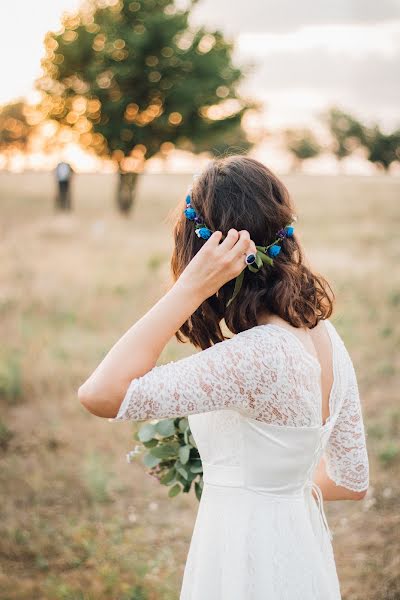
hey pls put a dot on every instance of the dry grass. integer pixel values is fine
(78, 522)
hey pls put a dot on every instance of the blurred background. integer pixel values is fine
(108, 108)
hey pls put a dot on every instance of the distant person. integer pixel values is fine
(63, 175)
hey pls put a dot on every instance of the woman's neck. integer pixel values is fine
(266, 317)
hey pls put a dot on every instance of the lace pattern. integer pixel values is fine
(346, 455)
(263, 374)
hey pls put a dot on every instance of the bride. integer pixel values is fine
(275, 409)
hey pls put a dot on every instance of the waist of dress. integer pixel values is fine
(232, 476)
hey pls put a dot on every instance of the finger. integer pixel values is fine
(243, 246)
(252, 247)
(214, 239)
(230, 240)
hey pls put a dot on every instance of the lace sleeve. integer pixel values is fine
(346, 454)
(232, 374)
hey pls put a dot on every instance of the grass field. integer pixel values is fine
(77, 521)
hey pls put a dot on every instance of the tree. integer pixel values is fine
(383, 149)
(348, 134)
(302, 144)
(132, 78)
(15, 129)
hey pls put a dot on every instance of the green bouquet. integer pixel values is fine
(170, 453)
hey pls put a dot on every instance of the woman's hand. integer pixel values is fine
(217, 263)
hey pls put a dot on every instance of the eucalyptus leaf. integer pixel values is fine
(174, 480)
(191, 476)
(151, 443)
(165, 451)
(168, 477)
(180, 479)
(184, 452)
(186, 488)
(182, 471)
(183, 424)
(174, 491)
(196, 468)
(166, 427)
(197, 490)
(151, 461)
(192, 441)
(147, 432)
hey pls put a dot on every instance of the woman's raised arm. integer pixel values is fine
(137, 351)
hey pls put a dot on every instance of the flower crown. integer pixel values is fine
(264, 256)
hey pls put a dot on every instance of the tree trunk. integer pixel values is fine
(341, 166)
(125, 193)
(296, 165)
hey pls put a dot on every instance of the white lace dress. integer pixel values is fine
(255, 409)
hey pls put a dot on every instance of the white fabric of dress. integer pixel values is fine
(255, 410)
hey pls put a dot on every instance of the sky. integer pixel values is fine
(314, 54)
(308, 55)
(23, 24)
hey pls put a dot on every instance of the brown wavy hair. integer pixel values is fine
(240, 192)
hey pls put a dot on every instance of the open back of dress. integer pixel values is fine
(255, 413)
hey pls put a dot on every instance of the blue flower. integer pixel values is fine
(188, 199)
(289, 231)
(190, 213)
(203, 232)
(274, 250)
(281, 233)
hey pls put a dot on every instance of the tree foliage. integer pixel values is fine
(132, 78)
(383, 149)
(15, 129)
(347, 132)
(302, 144)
